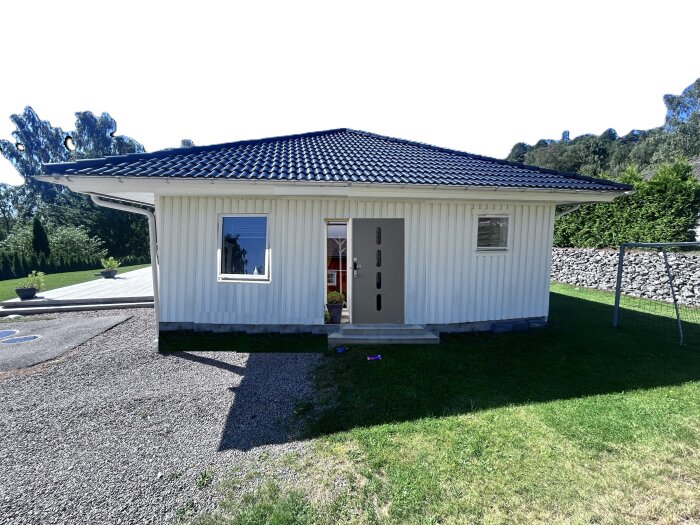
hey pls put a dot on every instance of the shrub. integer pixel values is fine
(664, 208)
(72, 245)
(130, 260)
(71, 242)
(19, 240)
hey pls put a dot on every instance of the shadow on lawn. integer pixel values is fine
(578, 354)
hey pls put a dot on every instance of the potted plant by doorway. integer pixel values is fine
(335, 306)
(28, 288)
(110, 267)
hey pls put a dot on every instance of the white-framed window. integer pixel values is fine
(332, 278)
(244, 249)
(492, 232)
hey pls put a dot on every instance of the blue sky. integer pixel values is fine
(463, 75)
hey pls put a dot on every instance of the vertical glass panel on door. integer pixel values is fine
(337, 256)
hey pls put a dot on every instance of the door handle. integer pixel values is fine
(355, 267)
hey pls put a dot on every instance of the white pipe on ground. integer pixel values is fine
(153, 244)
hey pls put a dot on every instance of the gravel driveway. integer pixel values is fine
(114, 432)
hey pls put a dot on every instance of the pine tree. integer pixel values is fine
(40, 241)
(42, 264)
(31, 263)
(15, 266)
(5, 270)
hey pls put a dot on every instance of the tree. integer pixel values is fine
(681, 108)
(609, 154)
(517, 154)
(7, 211)
(40, 241)
(5, 267)
(37, 142)
(95, 137)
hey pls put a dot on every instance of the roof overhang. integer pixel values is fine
(147, 189)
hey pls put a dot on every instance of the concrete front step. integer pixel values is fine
(32, 310)
(382, 329)
(382, 335)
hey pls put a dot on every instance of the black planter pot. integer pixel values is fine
(108, 274)
(336, 311)
(26, 293)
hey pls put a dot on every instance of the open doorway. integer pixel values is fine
(337, 264)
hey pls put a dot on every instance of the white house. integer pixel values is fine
(433, 236)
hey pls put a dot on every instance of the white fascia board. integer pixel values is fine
(226, 187)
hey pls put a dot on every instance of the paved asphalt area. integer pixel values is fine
(114, 432)
(54, 338)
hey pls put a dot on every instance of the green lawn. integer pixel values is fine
(57, 280)
(573, 423)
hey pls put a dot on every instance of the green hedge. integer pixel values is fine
(14, 266)
(664, 208)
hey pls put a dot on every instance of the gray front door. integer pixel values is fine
(377, 271)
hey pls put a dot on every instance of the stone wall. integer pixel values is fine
(644, 272)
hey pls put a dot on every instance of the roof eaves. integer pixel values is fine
(369, 184)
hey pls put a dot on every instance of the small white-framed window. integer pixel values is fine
(492, 232)
(332, 278)
(244, 249)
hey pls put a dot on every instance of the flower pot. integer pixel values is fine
(26, 293)
(108, 274)
(336, 311)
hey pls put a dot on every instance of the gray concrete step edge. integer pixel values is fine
(382, 330)
(72, 308)
(16, 303)
(336, 339)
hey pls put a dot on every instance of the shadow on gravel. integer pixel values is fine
(265, 400)
(209, 361)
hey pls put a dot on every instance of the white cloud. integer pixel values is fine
(473, 76)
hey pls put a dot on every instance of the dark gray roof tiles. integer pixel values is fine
(338, 155)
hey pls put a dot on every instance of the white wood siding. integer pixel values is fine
(447, 280)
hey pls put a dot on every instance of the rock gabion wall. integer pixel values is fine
(644, 273)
